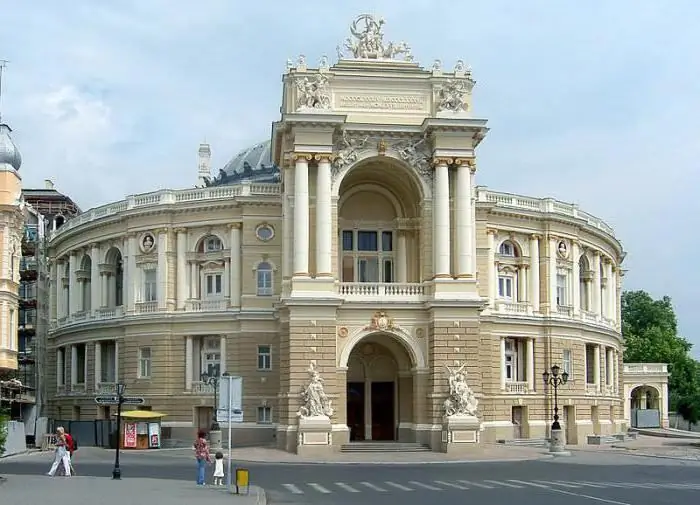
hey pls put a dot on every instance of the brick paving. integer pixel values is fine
(33, 489)
(676, 448)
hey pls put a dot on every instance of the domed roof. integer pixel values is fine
(9, 154)
(253, 164)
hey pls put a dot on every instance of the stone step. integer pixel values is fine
(528, 442)
(379, 447)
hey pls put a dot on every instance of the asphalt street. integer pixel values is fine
(584, 478)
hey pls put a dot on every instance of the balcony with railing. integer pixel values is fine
(217, 305)
(510, 307)
(202, 388)
(382, 291)
(645, 368)
(106, 388)
(517, 387)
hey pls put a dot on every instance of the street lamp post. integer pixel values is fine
(117, 472)
(554, 378)
(215, 432)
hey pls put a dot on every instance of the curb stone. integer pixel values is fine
(397, 463)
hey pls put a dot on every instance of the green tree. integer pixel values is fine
(4, 419)
(650, 330)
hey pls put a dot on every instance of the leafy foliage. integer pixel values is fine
(4, 419)
(650, 330)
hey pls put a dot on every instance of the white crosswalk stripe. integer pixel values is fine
(466, 485)
(397, 486)
(373, 487)
(293, 489)
(319, 488)
(346, 487)
(424, 486)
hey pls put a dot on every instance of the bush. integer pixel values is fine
(4, 420)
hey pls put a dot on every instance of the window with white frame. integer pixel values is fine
(566, 361)
(144, 363)
(211, 356)
(264, 414)
(506, 249)
(213, 285)
(367, 256)
(506, 286)
(150, 285)
(511, 360)
(264, 279)
(264, 357)
(561, 290)
(211, 243)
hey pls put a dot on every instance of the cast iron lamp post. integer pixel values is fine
(117, 472)
(213, 381)
(555, 379)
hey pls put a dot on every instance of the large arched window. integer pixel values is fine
(509, 272)
(264, 274)
(210, 243)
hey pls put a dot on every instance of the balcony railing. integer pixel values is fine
(517, 387)
(378, 291)
(146, 308)
(201, 388)
(78, 388)
(645, 368)
(106, 388)
(514, 307)
(206, 305)
(565, 310)
(591, 389)
(590, 317)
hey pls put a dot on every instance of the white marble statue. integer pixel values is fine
(451, 96)
(313, 92)
(461, 401)
(416, 153)
(369, 42)
(347, 150)
(316, 403)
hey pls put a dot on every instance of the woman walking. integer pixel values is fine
(201, 453)
(61, 457)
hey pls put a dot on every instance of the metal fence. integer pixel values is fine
(645, 418)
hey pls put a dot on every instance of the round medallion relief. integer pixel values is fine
(147, 242)
(342, 332)
(264, 232)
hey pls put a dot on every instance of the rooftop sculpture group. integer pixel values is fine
(369, 41)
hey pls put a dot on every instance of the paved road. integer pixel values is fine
(585, 478)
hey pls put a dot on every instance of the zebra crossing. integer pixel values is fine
(464, 485)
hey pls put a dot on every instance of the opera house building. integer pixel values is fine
(348, 268)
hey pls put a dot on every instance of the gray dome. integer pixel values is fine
(253, 164)
(9, 154)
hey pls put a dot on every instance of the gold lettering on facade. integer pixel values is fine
(382, 102)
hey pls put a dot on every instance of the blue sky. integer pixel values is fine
(590, 102)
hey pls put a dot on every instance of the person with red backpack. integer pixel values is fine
(71, 446)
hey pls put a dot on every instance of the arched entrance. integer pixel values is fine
(645, 407)
(379, 390)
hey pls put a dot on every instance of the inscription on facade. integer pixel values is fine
(381, 102)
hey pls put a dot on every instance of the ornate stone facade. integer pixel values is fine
(371, 253)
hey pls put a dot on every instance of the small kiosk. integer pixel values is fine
(140, 429)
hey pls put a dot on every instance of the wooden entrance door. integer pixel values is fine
(356, 410)
(383, 411)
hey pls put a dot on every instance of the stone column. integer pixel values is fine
(104, 289)
(597, 284)
(596, 368)
(535, 272)
(73, 293)
(53, 291)
(98, 365)
(181, 268)
(441, 220)
(57, 275)
(552, 271)
(95, 278)
(464, 230)
(614, 307)
(502, 355)
(491, 267)
(609, 290)
(236, 262)
(194, 280)
(301, 215)
(162, 273)
(188, 363)
(116, 361)
(73, 365)
(521, 284)
(323, 217)
(401, 259)
(222, 352)
(227, 279)
(530, 362)
(576, 274)
(60, 366)
(131, 277)
(609, 366)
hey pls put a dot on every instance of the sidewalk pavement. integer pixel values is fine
(34, 489)
(480, 453)
(656, 447)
